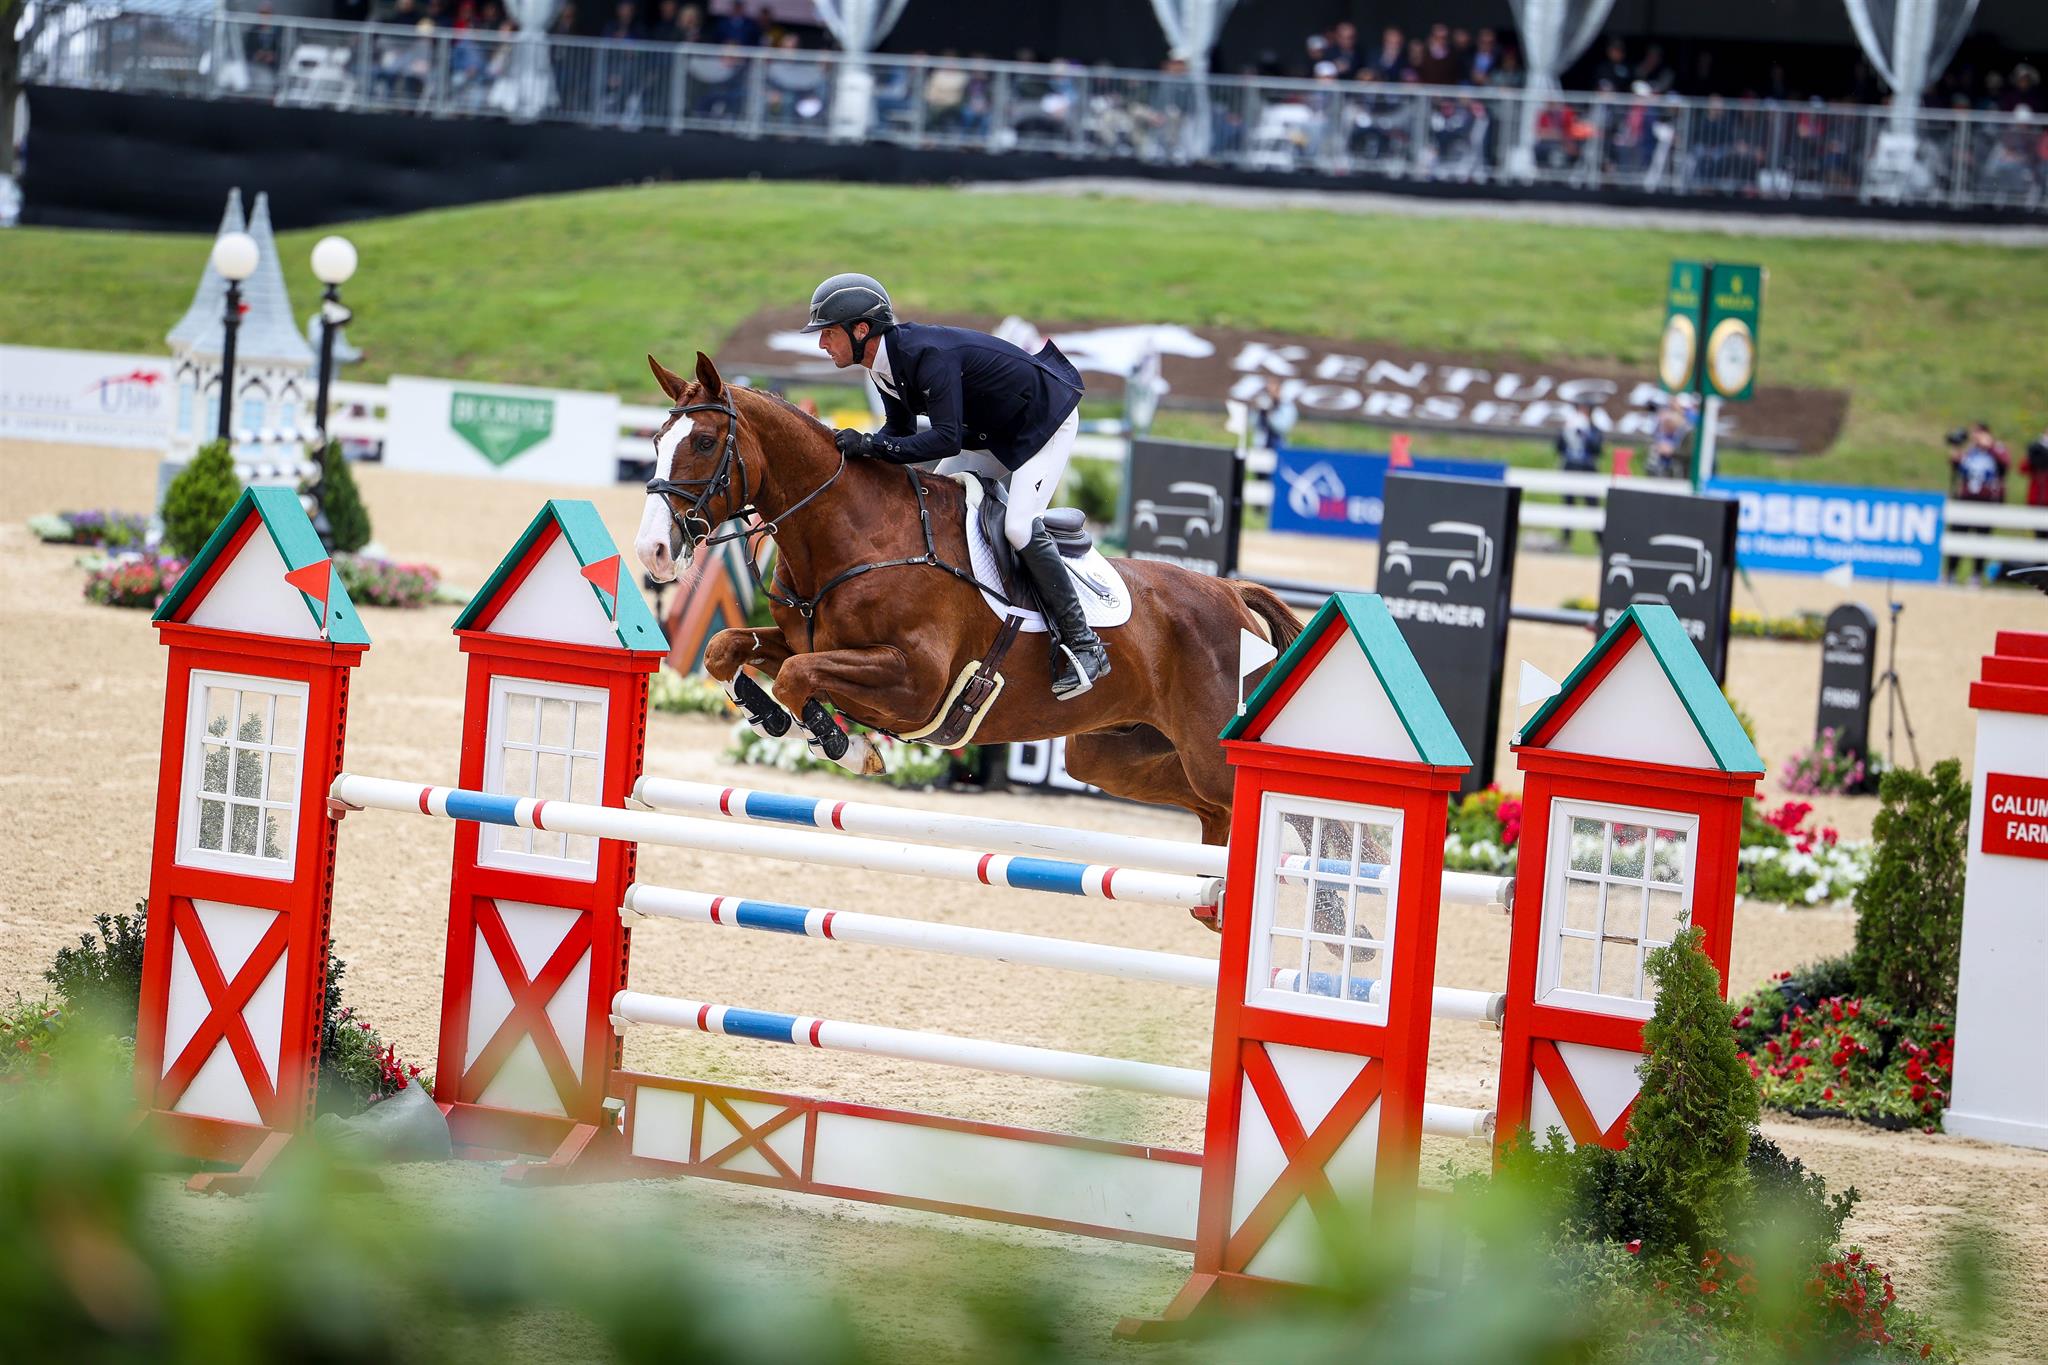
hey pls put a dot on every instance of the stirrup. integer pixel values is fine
(1083, 681)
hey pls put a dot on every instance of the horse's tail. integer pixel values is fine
(1277, 620)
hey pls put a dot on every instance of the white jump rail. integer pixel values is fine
(996, 945)
(631, 1008)
(788, 845)
(866, 819)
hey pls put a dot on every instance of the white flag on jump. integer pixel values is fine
(1254, 652)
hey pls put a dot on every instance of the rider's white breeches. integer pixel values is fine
(1032, 485)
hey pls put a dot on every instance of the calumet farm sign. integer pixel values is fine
(1351, 381)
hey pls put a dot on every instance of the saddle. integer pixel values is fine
(981, 682)
(1066, 525)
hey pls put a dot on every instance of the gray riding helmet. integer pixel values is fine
(847, 299)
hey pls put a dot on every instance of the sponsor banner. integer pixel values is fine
(2016, 815)
(1674, 549)
(86, 397)
(1447, 575)
(1043, 763)
(544, 435)
(1334, 493)
(1848, 663)
(1182, 504)
(1373, 383)
(1812, 528)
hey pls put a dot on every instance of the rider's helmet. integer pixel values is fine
(845, 300)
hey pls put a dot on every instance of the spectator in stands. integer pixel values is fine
(718, 85)
(622, 78)
(1439, 65)
(2025, 92)
(1653, 71)
(955, 98)
(1674, 427)
(262, 49)
(1273, 415)
(1978, 463)
(1614, 73)
(1342, 51)
(796, 84)
(2037, 476)
(1485, 58)
(1412, 63)
(742, 28)
(1386, 66)
(1578, 452)
(668, 23)
(1461, 55)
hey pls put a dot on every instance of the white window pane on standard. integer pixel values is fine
(1667, 857)
(1582, 905)
(284, 778)
(1372, 915)
(220, 712)
(1365, 965)
(1331, 908)
(249, 773)
(1667, 917)
(242, 831)
(583, 771)
(1376, 846)
(1336, 846)
(1589, 839)
(285, 725)
(581, 847)
(1631, 843)
(1575, 964)
(521, 717)
(213, 768)
(550, 776)
(1290, 902)
(554, 723)
(253, 724)
(213, 825)
(1289, 960)
(277, 834)
(515, 775)
(1620, 959)
(589, 726)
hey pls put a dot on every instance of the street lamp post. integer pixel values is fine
(234, 256)
(334, 261)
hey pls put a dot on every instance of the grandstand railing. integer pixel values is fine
(1664, 145)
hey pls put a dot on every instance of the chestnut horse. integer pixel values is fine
(886, 645)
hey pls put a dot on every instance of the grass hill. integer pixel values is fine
(573, 291)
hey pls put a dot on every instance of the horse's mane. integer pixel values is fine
(776, 398)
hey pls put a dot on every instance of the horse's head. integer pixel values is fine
(700, 469)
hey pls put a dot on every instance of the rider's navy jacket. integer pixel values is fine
(981, 393)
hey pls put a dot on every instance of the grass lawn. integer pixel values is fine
(572, 291)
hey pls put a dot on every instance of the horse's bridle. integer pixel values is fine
(702, 491)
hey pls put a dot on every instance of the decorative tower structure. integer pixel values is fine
(272, 406)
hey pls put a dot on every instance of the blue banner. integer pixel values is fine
(1811, 528)
(1335, 493)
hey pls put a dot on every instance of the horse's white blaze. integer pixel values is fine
(651, 542)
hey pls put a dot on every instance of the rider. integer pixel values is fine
(995, 409)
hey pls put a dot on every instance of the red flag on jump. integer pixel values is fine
(312, 580)
(605, 575)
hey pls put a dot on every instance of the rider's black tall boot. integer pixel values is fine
(1078, 658)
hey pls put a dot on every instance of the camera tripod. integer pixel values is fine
(1890, 688)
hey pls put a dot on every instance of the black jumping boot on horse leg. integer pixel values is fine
(826, 736)
(760, 709)
(1078, 659)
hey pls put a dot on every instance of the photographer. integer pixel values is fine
(1273, 415)
(1667, 440)
(1578, 452)
(2037, 476)
(1978, 465)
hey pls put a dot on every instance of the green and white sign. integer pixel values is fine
(497, 431)
(1712, 313)
(501, 427)
(1735, 308)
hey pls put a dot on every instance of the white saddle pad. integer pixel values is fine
(1104, 598)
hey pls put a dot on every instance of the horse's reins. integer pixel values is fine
(702, 491)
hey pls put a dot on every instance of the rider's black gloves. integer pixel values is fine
(852, 443)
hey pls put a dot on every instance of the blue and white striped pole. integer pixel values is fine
(1095, 881)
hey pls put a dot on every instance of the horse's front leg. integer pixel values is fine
(727, 656)
(876, 681)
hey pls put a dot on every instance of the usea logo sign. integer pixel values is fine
(499, 426)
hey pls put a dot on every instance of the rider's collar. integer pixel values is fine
(880, 369)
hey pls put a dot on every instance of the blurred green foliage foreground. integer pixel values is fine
(104, 1257)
